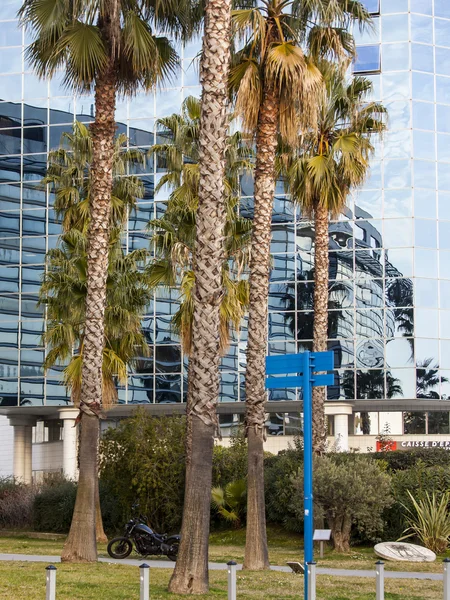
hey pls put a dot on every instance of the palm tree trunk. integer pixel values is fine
(100, 534)
(191, 571)
(81, 543)
(320, 335)
(256, 552)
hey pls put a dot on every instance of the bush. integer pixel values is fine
(350, 491)
(399, 460)
(279, 486)
(419, 479)
(16, 504)
(429, 521)
(54, 504)
(230, 463)
(144, 459)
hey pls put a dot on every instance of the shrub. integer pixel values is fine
(279, 486)
(429, 520)
(144, 459)
(231, 502)
(16, 504)
(399, 460)
(54, 504)
(419, 480)
(230, 463)
(349, 491)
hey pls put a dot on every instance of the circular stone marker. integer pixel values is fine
(404, 552)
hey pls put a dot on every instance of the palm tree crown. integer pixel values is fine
(174, 234)
(271, 37)
(334, 158)
(64, 286)
(83, 36)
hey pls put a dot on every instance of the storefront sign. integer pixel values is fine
(424, 444)
(386, 445)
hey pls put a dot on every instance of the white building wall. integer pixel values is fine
(6, 447)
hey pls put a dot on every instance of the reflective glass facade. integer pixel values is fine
(389, 316)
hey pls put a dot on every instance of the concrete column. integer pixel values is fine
(341, 412)
(70, 462)
(22, 447)
(341, 432)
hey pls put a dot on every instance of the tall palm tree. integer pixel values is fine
(191, 570)
(173, 235)
(328, 162)
(107, 47)
(275, 86)
(63, 290)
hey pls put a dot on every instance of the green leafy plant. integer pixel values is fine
(231, 501)
(429, 521)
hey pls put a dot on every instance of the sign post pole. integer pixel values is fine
(308, 466)
(311, 371)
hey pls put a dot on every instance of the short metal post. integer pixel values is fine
(446, 578)
(380, 579)
(232, 580)
(145, 581)
(51, 583)
(321, 548)
(311, 581)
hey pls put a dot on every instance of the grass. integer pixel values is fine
(26, 581)
(229, 545)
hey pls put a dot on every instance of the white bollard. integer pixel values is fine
(446, 578)
(51, 583)
(311, 581)
(380, 579)
(231, 580)
(145, 582)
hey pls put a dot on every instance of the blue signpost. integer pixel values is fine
(310, 369)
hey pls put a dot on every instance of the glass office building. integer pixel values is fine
(389, 252)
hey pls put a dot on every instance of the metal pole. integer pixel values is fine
(446, 578)
(380, 579)
(51, 583)
(321, 548)
(145, 582)
(308, 466)
(231, 580)
(312, 581)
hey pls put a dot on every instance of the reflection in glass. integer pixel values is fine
(394, 28)
(368, 59)
(414, 422)
(423, 86)
(421, 29)
(423, 115)
(395, 57)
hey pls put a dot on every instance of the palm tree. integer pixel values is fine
(190, 575)
(173, 235)
(108, 47)
(63, 290)
(328, 162)
(275, 86)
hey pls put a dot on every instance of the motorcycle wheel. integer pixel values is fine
(120, 547)
(172, 555)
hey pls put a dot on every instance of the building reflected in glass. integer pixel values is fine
(389, 306)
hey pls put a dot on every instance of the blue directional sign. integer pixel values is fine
(305, 370)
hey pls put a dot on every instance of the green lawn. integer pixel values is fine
(26, 581)
(229, 545)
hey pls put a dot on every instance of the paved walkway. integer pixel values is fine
(165, 564)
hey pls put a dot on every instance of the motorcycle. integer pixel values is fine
(146, 541)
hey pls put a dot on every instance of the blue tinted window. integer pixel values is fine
(373, 6)
(368, 59)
